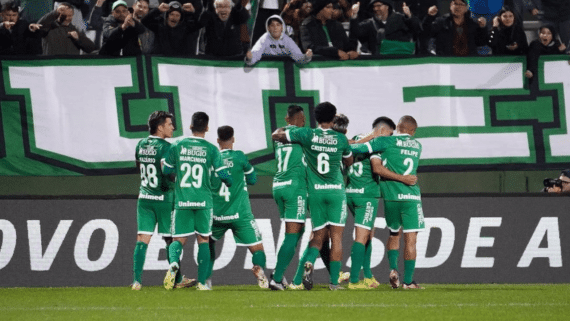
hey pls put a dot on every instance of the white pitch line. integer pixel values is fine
(288, 306)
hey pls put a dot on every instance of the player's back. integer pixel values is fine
(154, 186)
(227, 200)
(401, 155)
(193, 159)
(361, 181)
(291, 166)
(324, 150)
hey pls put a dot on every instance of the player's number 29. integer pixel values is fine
(195, 171)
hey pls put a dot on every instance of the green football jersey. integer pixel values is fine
(193, 159)
(291, 165)
(401, 154)
(154, 185)
(228, 201)
(324, 150)
(361, 181)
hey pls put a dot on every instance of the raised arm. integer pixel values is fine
(279, 135)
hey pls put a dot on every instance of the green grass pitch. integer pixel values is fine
(435, 302)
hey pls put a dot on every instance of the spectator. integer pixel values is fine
(507, 36)
(387, 32)
(146, 39)
(341, 11)
(80, 10)
(174, 29)
(561, 185)
(15, 37)
(518, 7)
(276, 43)
(557, 14)
(293, 14)
(456, 34)
(121, 32)
(325, 36)
(546, 44)
(419, 8)
(59, 36)
(223, 29)
(266, 9)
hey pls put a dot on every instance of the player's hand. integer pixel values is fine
(163, 7)
(309, 53)
(8, 24)
(99, 3)
(534, 12)
(342, 55)
(513, 46)
(528, 74)
(188, 7)
(410, 179)
(406, 10)
(496, 22)
(352, 54)
(249, 55)
(562, 47)
(482, 22)
(73, 34)
(432, 11)
(355, 8)
(34, 27)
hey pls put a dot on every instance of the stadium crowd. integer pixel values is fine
(336, 29)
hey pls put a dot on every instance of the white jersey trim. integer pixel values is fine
(319, 227)
(204, 234)
(292, 220)
(219, 169)
(287, 135)
(347, 156)
(166, 164)
(183, 235)
(249, 171)
(376, 156)
(370, 150)
(145, 232)
(414, 230)
(335, 224)
(250, 244)
(363, 226)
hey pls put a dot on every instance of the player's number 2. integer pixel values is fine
(148, 175)
(195, 171)
(410, 163)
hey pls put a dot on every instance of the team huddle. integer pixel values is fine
(193, 187)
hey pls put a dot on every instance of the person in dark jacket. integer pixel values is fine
(325, 36)
(557, 14)
(60, 37)
(385, 24)
(546, 44)
(223, 29)
(174, 28)
(456, 34)
(507, 36)
(121, 32)
(15, 37)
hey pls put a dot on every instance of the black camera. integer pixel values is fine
(551, 182)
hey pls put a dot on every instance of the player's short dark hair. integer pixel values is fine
(200, 122)
(385, 121)
(156, 119)
(409, 122)
(340, 123)
(225, 133)
(325, 112)
(292, 110)
(11, 6)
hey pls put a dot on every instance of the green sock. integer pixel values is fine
(393, 259)
(203, 262)
(179, 272)
(335, 270)
(174, 251)
(285, 255)
(258, 258)
(409, 267)
(325, 253)
(212, 260)
(310, 255)
(357, 257)
(367, 258)
(138, 261)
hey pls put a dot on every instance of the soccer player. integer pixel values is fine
(362, 194)
(191, 160)
(402, 203)
(324, 149)
(232, 210)
(156, 196)
(290, 194)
